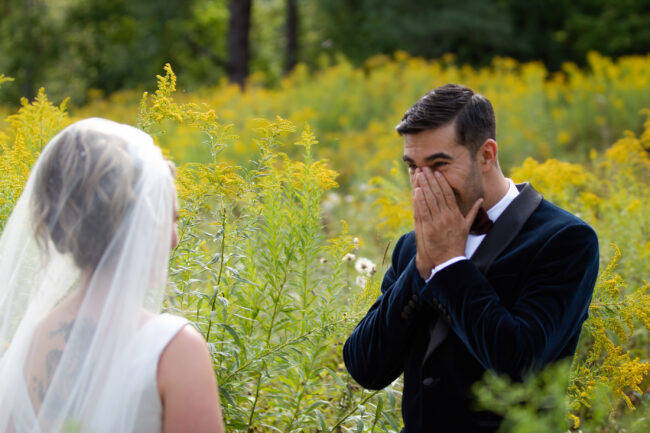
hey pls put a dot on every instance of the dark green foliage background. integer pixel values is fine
(71, 46)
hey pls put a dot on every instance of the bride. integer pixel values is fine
(83, 268)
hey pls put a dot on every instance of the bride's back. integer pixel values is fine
(47, 346)
(89, 242)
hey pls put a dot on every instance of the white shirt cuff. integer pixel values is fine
(442, 266)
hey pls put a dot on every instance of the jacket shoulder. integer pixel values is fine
(553, 215)
(549, 220)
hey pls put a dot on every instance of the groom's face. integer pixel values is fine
(438, 149)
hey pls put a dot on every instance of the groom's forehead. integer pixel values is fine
(429, 145)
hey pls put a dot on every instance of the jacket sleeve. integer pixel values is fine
(375, 351)
(551, 308)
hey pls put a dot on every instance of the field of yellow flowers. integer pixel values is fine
(293, 197)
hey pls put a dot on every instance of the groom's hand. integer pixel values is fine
(440, 228)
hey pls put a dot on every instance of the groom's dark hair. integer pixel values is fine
(471, 113)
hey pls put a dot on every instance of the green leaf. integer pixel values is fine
(226, 395)
(379, 408)
(359, 425)
(232, 332)
(321, 418)
(339, 381)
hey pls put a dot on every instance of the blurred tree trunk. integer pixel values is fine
(28, 84)
(238, 40)
(292, 36)
(29, 60)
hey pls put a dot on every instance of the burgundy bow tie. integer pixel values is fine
(481, 224)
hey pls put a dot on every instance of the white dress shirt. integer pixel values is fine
(473, 241)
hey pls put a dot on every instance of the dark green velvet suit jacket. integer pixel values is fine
(525, 313)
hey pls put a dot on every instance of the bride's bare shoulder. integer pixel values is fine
(187, 347)
(187, 385)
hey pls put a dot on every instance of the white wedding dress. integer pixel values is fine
(141, 360)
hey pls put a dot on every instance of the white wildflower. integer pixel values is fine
(323, 260)
(361, 281)
(364, 265)
(349, 257)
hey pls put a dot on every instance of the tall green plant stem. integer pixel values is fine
(213, 304)
(279, 347)
(353, 410)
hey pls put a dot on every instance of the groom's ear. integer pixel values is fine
(486, 156)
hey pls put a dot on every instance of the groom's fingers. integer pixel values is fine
(420, 207)
(419, 200)
(446, 190)
(417, 216)
(427, 181)
(423, 219)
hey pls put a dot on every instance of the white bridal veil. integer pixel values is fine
(83, 265)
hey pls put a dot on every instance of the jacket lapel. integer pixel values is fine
(506, 227)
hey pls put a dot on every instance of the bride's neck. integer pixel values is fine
(90, 292)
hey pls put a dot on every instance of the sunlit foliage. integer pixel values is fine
(275, 281)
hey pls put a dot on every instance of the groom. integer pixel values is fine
(469, 290)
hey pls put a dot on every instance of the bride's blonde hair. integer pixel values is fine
(82, 192)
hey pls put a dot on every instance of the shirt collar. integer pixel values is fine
(495, 211)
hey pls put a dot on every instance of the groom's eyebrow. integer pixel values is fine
(430, 158)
